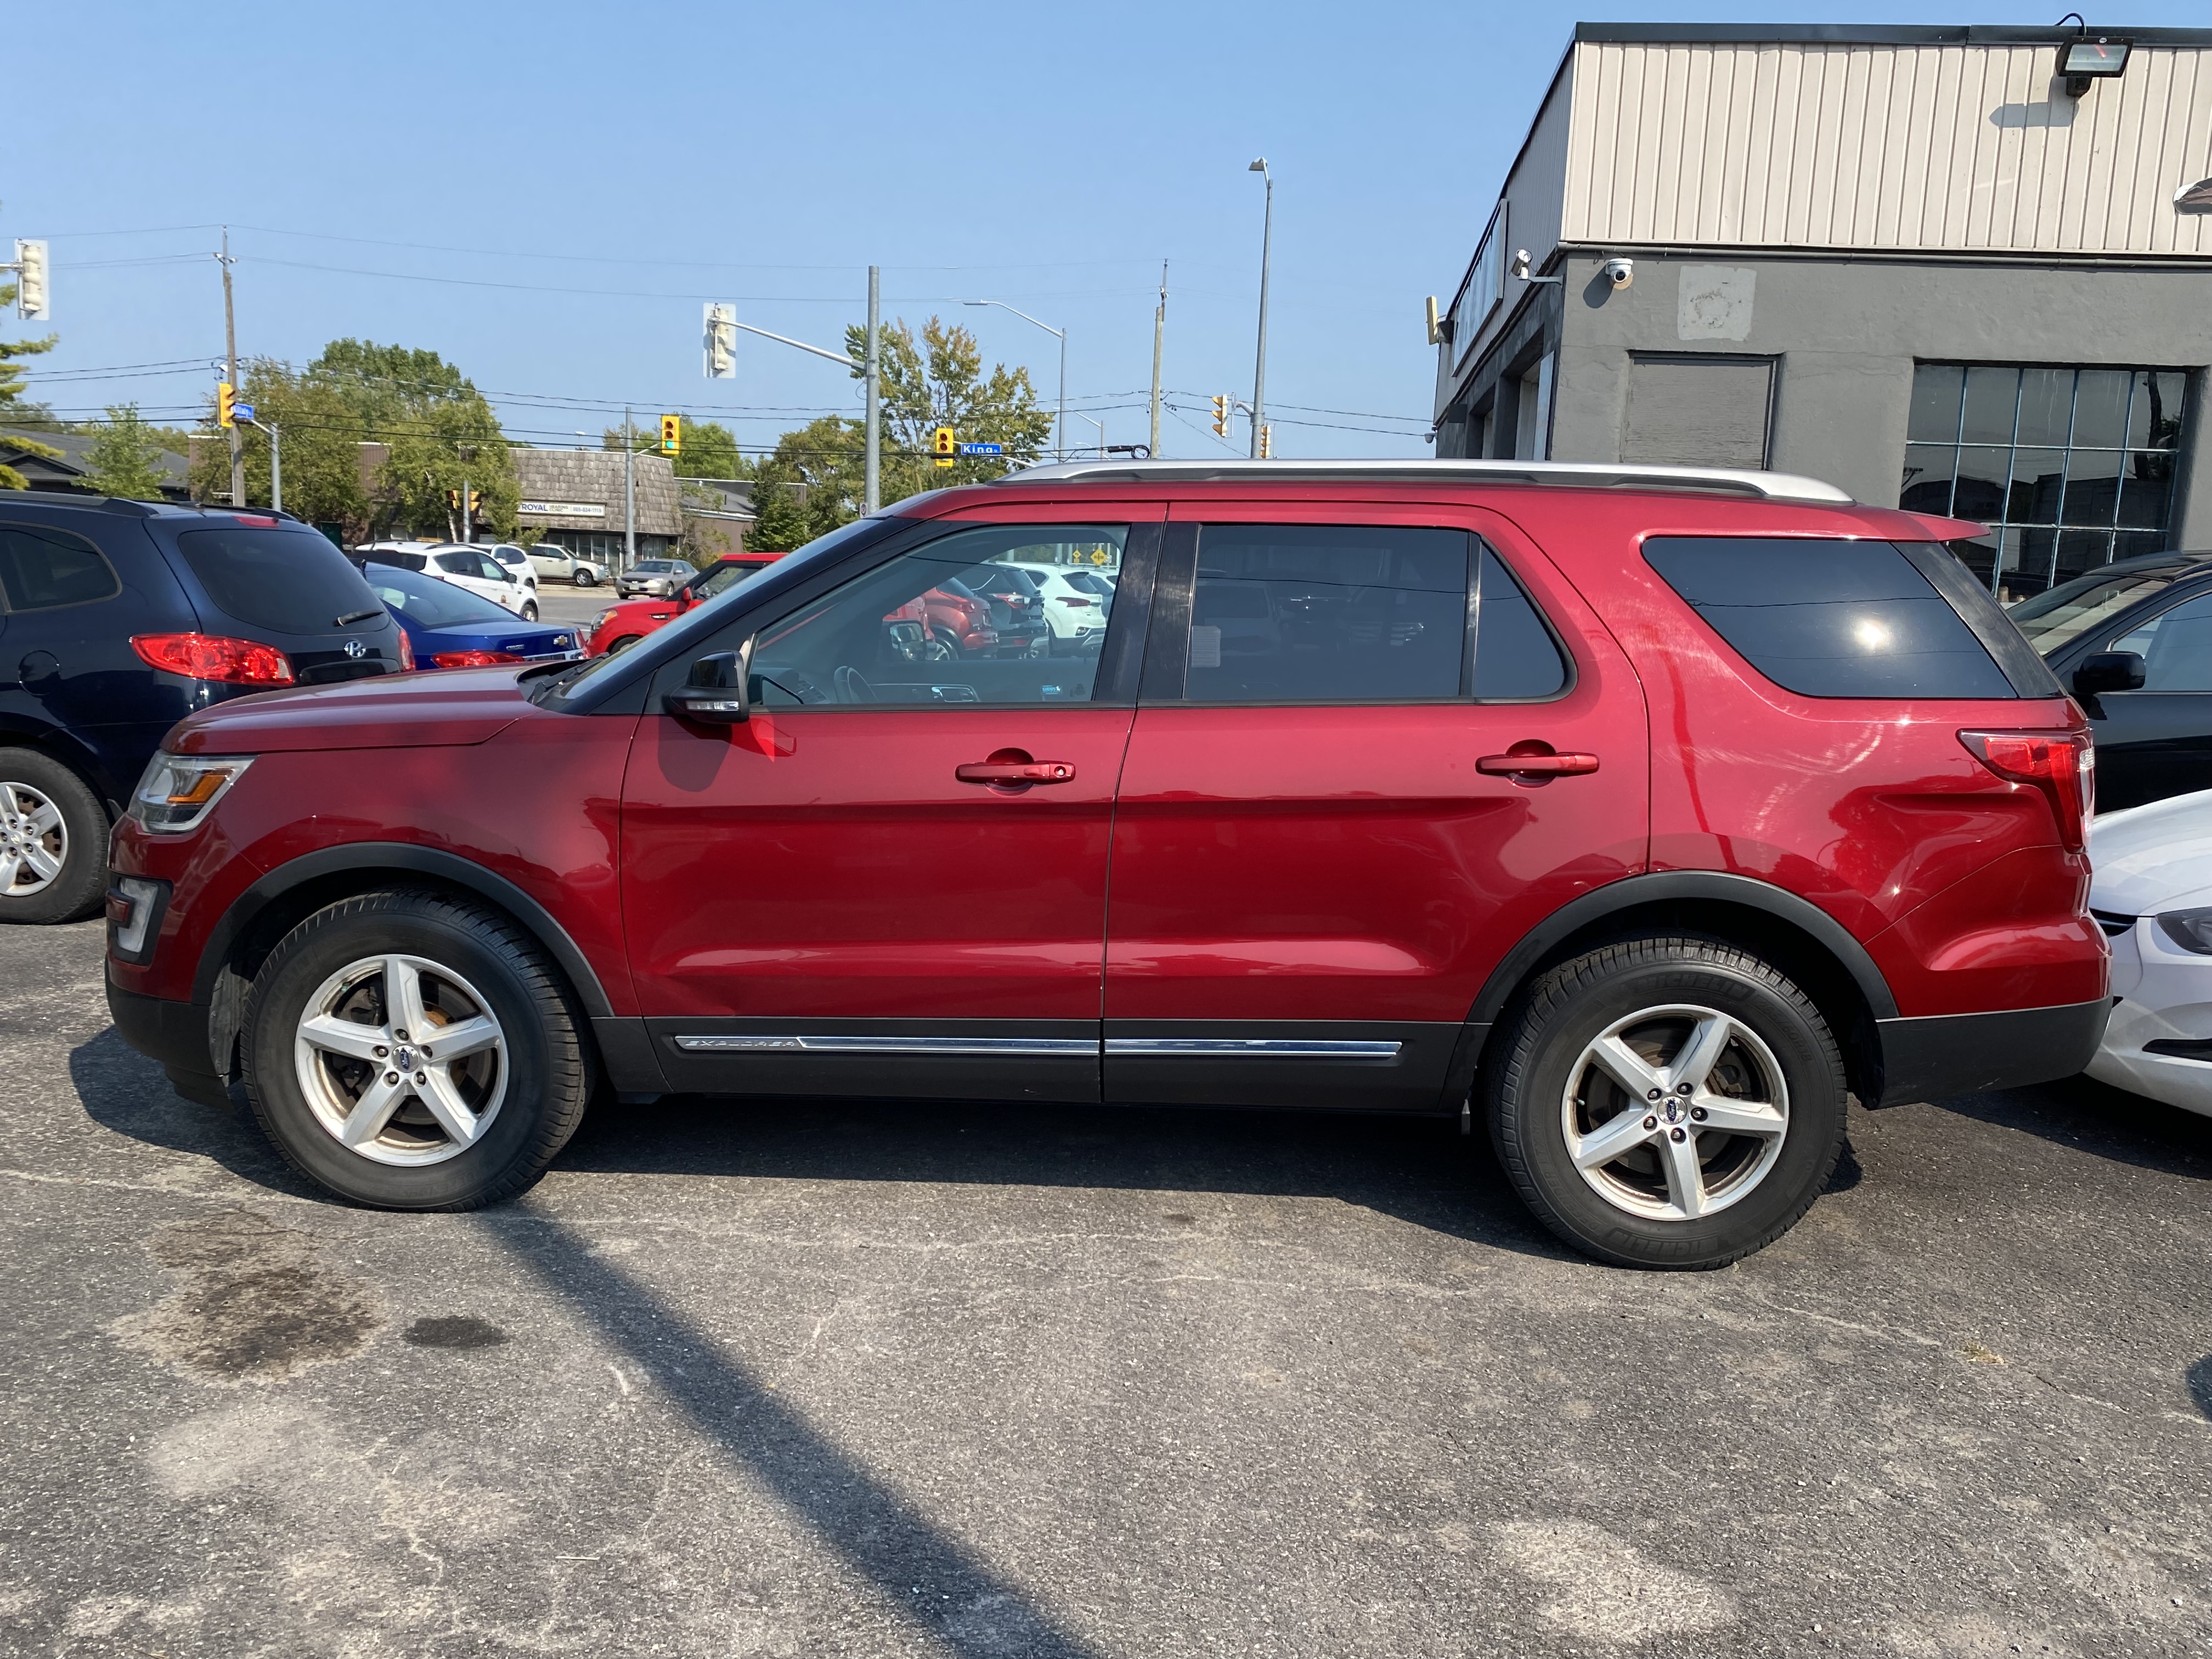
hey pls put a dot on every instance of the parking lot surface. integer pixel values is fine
(816, 1379)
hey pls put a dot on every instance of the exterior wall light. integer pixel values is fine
(2087, 57)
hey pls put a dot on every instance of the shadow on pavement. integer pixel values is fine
(124, 1091)
(2111, 1123)
(919, 1567)
(1420, 1170)
(2200, 1385)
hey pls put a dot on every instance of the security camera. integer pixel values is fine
(1620, 272)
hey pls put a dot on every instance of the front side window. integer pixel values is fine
(2070, 468)
(2063, 614)
(1327, 613)
(1830, 618)
(292, 580)
(41, 570)
(2176, 647)
(944, 625)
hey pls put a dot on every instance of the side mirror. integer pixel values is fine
(2108, 670)
(715, 691)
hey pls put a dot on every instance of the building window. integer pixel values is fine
(2070, 468)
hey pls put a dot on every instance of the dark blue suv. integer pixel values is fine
(118, 619)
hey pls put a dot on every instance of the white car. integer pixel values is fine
(557, 563)
(464, 566)
(1077, 603)
(2151, 891)
(517, 561)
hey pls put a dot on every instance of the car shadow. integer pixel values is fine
(1419, 1171)
(2094, 1117)
(2200, 1385)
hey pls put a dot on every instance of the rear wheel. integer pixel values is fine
(413, 1052)
(1668, 1102)
(53, 841)
(583, 578)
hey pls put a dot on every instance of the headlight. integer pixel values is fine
(600, 622)
(2191, 929)
(179, 791)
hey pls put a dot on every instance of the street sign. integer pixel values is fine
(241, 412)
(983, 449)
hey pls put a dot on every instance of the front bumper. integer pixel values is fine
(174, 1033)
(1945, 1055)
(2162, 995)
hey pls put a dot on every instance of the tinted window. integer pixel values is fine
(910, 631)
(2176, 647)
(40, 568)
(1830, 618)
(1514, 652)
(2052, 619)
(431, 602)
(402, 561)
(292, 580)
(1310, 613)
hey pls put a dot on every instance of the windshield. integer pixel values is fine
(588, 679)
(728, 575)
(432, 603)
(2065, 613)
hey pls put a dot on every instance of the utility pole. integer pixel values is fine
(629, 492)
(275, 467)
(468, 530)
(1259, 360)
(1159, 333)
(871, 494)
(230, 355)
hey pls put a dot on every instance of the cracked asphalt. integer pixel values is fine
(879, 1379)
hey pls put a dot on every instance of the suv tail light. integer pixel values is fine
(406, 654)
(472, 658)
(214, 657)
(2061, 764)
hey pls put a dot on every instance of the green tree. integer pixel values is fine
(710, 450)
(11, 391)
(938, 380)
(125, 457)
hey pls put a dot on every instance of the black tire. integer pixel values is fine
(1542, 1041)
(530, 611)
(581, 577)
(80, 887)
(550, 1067)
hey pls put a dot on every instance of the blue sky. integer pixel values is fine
(600, 171)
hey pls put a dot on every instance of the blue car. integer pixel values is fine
(450, 626)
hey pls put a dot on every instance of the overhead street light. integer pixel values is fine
(1060, 426)
(1259, 356)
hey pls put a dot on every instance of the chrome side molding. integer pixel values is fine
(1259, 1049)
(1030, 1048)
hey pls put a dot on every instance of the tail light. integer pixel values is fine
(214, 657)
(406, 654)
(1078, 605)
(473, 659)
(2061, 764)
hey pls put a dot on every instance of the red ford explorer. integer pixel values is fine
(1646, 813)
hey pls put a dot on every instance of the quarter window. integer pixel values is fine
(946, 625)
(42, 568)
(2070, 468)
(1828, 618)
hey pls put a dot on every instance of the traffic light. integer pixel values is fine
(31, 303)
(1267, 442)
(1221, 415)
(476, 503)
(671, 434)
(453, 501)
(942, 445)
(226, 399)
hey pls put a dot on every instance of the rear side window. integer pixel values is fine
(1828, 618)
(41, 569)
(293, 582)
(1327, 613)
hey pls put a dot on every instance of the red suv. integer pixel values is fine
(1646, 813)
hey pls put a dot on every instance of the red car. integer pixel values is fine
(624, 625)
(1644, 814)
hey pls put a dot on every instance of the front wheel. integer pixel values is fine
(410, 1051)
(530, 611)
(1667, 1101)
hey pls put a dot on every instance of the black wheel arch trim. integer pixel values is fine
(399, 858)
(1675, 886)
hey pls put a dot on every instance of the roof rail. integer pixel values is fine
(1571, 475)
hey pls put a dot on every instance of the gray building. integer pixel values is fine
(576, 497)
(1918, 262)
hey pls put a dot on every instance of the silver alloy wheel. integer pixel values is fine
(33, 841)
(401, 1059)
(1675, 1112)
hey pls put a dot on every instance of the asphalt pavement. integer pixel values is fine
(882, 1379)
